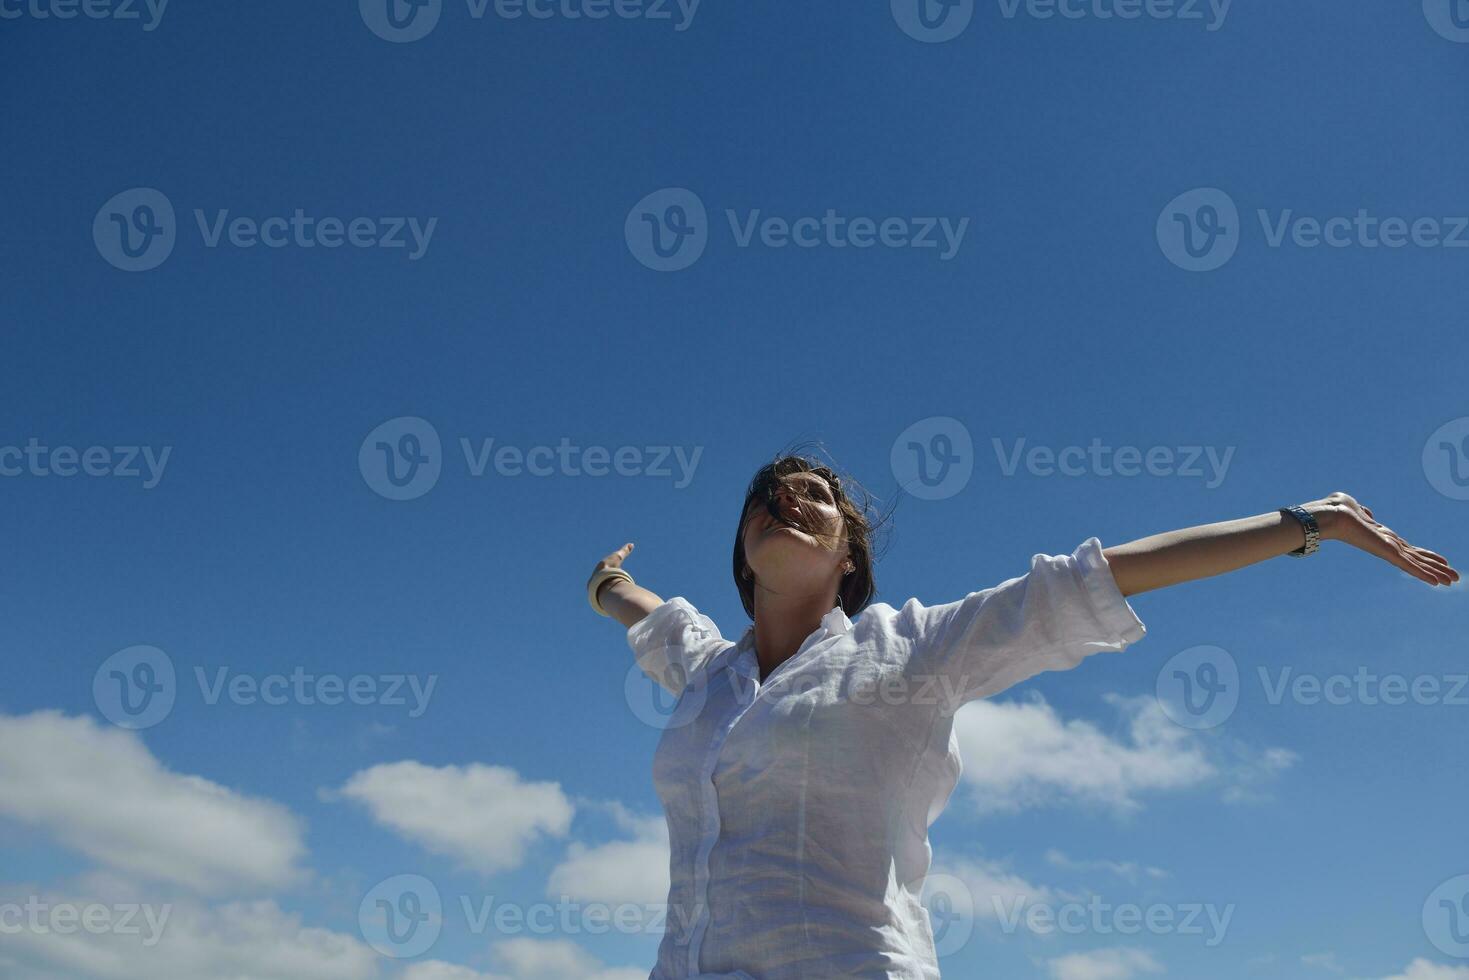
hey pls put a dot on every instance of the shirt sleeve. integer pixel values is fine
(673, 642)
(1064, 609)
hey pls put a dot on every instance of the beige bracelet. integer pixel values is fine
(600, 578)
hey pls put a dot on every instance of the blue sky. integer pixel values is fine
(1128, 218)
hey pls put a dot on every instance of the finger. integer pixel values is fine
(1388, 550)
(1391, 546)
(1436, 575)
(1423, 554)
(1432, 557)
(1437, 563)
(1423, 572)
(1434, 554)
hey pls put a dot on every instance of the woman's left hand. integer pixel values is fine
(1342, 518)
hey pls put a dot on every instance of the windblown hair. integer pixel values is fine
(853, 502)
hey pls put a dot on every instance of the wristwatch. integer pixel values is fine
(1313, 531)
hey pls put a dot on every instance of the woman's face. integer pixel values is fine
(803, 550)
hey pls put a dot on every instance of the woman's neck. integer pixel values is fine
(782, 623)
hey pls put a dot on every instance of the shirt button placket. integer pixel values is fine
(711, 825)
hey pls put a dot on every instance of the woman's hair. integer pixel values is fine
(854, 504)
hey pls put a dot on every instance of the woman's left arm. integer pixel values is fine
(1212, 549)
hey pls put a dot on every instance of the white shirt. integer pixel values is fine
(798, 809)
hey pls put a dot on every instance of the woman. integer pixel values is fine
(804, 764)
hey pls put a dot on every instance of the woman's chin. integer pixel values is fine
(789, 552)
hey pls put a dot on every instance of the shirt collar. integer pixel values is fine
(835, 623)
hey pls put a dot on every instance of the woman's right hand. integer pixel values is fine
(627, 603)
(613, 560)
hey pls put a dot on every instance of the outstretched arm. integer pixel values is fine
(1212, 549)
(626, 602)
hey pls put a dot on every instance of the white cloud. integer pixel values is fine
(1424, 970)
(623, 871)
(1129, 871)
(1023, 754)
(1248, 773)
(1103, 964)
(530, 959)
(1323, 961)
(176, 940)
(99, 791)
(484, 816)
(559, 959)
(997, 892)
(437, 970)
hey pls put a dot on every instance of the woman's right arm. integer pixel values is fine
(628, 603)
